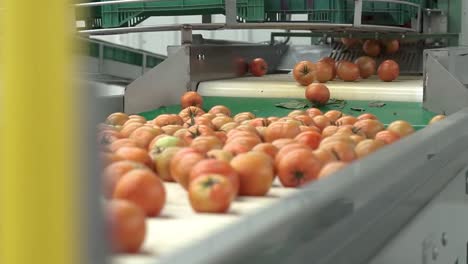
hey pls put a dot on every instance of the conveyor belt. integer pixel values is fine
(179, 226)
(404, 89)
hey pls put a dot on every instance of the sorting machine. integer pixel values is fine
(407, 203)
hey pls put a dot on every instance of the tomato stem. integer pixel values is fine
(210, 182)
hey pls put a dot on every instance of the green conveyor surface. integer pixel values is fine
(410, 111)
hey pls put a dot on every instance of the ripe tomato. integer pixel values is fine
(280, 129)
(331, 62)
(144, 135)
(219, 121)
(241, 144)
(112, 174)
(107, 158)
(228, 126)
(188, 114)
(349, 42)
(333, 115)
(203, 144)
(123, 142)
(305, 120)
(220, 109)
(310, 128)
(298, 167)
(138, 118)
(391, 46)
(213, 166)
(191, 99)
(323, 72)
(387, 136)
(357, 138)
(135, 154)
(210, 193)
(127, 226)
(367, 116)
(196, 131)
(317, 93)
(133, 121)
(367, 147)
(162, 162)
(321, 121)
(220, 154)
(209, 116)
(401, 127)
(168, 119)
(367, 66)
(258, 67)
(256, 173)
(280, 143)
(129, 128)
(288, 148)
(329, 131)
(312, 112)
(310, 138)
(239, 118)
(324, 155)
(346, 120)
(267, 148)
(201, 120)
(369, 127)
(348, 71)
(388, 70)
(144, 188)
(342, 150)
(182, 163)
(117, 119)
(331, 168)
(303, 72)
(371, 47)
(436, 119)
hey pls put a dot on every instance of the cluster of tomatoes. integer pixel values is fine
(216, 157)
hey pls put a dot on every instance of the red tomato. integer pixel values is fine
(123, 142)
(213, 166)
(369, 127)
(388, 70)
(317, 93)
(182, 163)
(367, 66)
(280, 143)
(367, 147)
(288, 148)
(144, 188)
(303, 72)
(210, 193)
(367, 116)
(258, 67)
(113, 172)
(346, 120)
(324, 155)
(220, 121)
(127, 226)
(391, 46)
(219, 154)
(436, 119)
(312, 112)
(191, 99)
(298, 167)
(309, 138)
(322, 121)
(331, 62)
(349, 42)
(203, 144)
(241, 144)
(371, 47)
(135, 154)
(329, 131)
(333, 115)
(387, 136)
(280, 129)
(267, 148)
(144, 135)
(117, 119)
(331, 168)
(348, 71)
(168, 119)
(401, 128)
(217, 109)
(343, 151)
(189, 113)
(323, 72)
(256, 173)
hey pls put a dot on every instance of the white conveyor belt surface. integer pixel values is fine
(404, 89)
(178, 226)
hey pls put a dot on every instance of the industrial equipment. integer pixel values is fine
(404, 204)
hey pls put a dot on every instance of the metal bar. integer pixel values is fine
(170, 27)
(363, 35)
(357, 13)
(231, 12)
(396, 2)
(109, 44)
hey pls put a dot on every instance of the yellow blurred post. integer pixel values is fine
(38, 153)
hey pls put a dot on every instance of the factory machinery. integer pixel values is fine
(404, 204)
